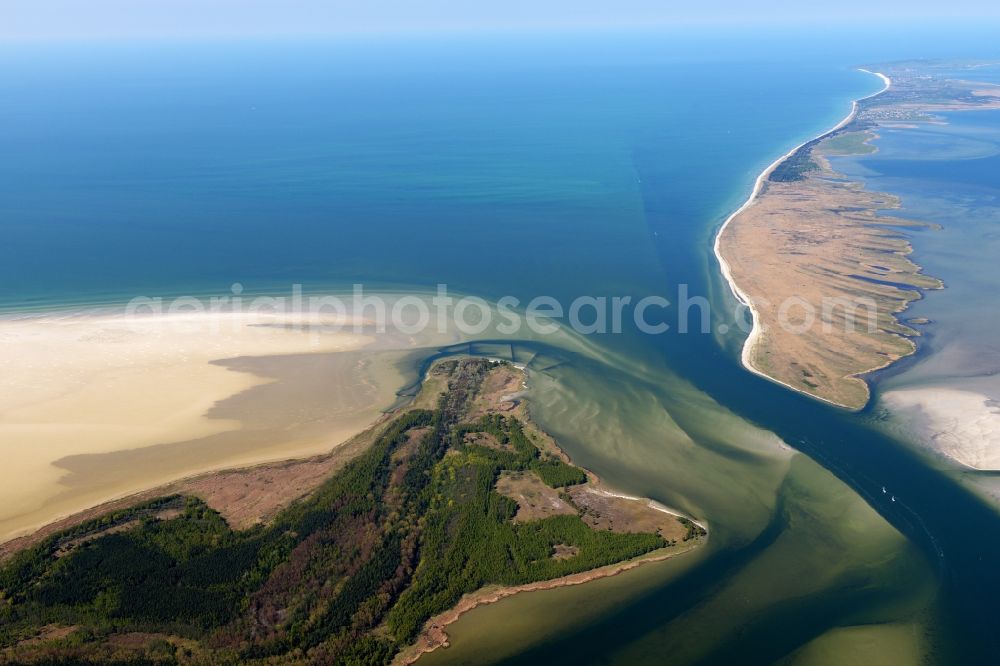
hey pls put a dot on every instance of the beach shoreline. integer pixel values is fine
(755, 330)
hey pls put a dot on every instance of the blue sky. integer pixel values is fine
(76, 19)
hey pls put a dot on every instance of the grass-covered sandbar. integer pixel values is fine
(823, 271)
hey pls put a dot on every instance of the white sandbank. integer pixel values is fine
(962, 425)
(758, 186)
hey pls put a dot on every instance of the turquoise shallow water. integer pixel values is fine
(561, 166)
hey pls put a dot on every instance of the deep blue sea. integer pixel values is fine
(135, 168)
(525, 165)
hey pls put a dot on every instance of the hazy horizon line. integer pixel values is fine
(722, 28)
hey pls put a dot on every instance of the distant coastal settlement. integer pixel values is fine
(823, 274)
(360, 556)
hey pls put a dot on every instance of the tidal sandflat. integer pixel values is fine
(97, 405)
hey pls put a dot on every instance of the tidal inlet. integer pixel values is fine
(562, 334)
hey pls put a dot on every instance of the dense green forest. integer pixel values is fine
(347, 575)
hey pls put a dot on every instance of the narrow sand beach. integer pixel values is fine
(95, 406)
